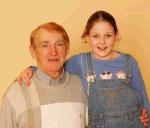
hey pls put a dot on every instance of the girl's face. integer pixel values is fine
(102, 38)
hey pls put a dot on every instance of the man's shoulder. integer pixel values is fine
(73, 77)
(13, 90)
(14, 95)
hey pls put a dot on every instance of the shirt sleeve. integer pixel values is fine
(138, 83)
(7, 115)
(73, 65)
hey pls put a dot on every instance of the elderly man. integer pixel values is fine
(56, 98)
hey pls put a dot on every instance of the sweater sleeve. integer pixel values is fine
(7, 115)
(138, 83)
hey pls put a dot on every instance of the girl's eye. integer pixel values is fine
(95, 36)
(108, 35)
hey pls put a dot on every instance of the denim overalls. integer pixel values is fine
(113, 103)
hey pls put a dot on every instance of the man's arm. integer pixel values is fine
(7, 115)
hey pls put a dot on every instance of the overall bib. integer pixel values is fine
(113, 103)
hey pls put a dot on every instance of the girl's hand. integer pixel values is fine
(25, 76)
(144, 117)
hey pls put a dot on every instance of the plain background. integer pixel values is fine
(19, 17)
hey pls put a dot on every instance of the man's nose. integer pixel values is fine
(53, 50)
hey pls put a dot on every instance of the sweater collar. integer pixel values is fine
(43, 77)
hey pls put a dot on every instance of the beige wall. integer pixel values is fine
(19, 17)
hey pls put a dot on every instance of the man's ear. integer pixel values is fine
(32, 51)
(68, 48)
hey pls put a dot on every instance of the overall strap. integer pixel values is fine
(90, 69)
(87, 67)
(128, 68)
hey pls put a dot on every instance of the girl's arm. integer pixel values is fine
(138, 83)
(26, 75)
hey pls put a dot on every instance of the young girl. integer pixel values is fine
(111, 79)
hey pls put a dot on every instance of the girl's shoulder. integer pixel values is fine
(124, 55)
(75, 64)
(78, 56)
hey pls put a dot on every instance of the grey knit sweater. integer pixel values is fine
(47, 103)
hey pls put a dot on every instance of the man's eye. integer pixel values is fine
(44, 45)
(108, 35)
(59, 43)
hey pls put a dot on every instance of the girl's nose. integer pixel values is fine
(102, 41)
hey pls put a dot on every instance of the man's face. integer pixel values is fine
(50, 51)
